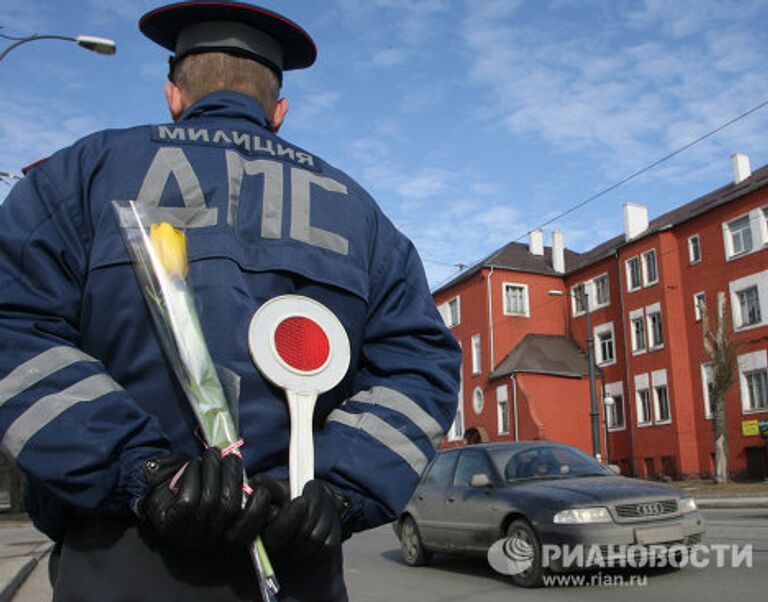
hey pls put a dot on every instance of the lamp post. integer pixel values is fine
(92, 43)
(594, 415)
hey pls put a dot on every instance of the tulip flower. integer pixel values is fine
(170, 245)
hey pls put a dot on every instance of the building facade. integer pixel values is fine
(525, 314)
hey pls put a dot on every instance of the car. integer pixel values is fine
(549, 504)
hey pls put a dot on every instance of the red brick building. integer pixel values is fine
(521, 317)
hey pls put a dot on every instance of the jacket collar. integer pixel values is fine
(229, 105)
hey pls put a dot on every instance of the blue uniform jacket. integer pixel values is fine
(86, 395)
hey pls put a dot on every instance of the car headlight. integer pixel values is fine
(579, 516)
(688, 504)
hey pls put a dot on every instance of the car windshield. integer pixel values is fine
(545, 462)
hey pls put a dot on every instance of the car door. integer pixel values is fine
(473, 513)
(428, 501)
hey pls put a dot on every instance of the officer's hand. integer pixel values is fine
(196, 503)
(307, 528)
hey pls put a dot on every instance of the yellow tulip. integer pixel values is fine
(170, 246)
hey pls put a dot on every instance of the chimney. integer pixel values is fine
(741, 168)
(635, 220)
(558, 252)
(536, 242)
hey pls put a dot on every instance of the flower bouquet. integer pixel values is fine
(160, 260)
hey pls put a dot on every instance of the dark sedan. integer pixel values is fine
(534, 507)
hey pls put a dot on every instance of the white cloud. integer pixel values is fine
(599, 93)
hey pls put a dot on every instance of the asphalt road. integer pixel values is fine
(375, 572)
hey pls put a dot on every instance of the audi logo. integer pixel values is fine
(650, 509)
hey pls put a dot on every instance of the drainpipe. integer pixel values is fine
(514, 406)
(492, 362)
(628, 398)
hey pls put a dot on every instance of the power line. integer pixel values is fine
(629, 178)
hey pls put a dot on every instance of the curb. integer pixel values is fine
(10, 588)
(732, 502)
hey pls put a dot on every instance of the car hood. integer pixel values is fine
(586, 490)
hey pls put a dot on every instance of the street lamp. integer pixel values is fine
(92, 43)
(593, 413)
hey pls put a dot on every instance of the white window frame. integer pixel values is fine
(707, 378)
(477, 354)
(642, 385)
(502, 409)
(644, 266)
(650, 311)
(697, 298)
(637, 315)
(445, 310)
(597, 331)
(575, 310)
(748, 363)
(757, 228)
(478, 401)
(595, 288)
(507, 310)
(758, 280)
(630, 271)
(456, 432)
(694, 257)
(616, 392)
(659, 382)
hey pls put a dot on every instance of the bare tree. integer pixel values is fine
(721, 349)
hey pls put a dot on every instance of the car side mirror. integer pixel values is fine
(614, 468)
(480, 480)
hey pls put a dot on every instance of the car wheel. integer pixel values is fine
(411, 547)
(524, 548)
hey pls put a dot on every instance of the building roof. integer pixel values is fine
(679, 215)
(544, 354)
(516, 256)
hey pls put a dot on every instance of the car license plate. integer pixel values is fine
(659, 534)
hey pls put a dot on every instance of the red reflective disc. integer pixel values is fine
(301, 343)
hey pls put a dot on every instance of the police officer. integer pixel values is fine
(89, 408)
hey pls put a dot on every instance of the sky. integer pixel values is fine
(471, 122)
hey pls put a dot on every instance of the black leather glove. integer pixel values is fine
(202, 508)
(307, 528)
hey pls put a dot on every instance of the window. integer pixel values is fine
(633, 274)
(661, 404)
(579, 295)
(476, 356)
(694, 249)
(441, 471)
(614, 406)
(749, 306)
(757, 389)
(643, 407)
(699, 301)
(457, 428)
(707, 389)
(740, 235)
(637, 325)
(602, 291)
(650, 273)
(661, 409)
(502, 402)
(515, 299)
(749, 300)
(604, 345)
(753, 381)
(655, 327)
(478, 401)
(450, 312)
(471, 463)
